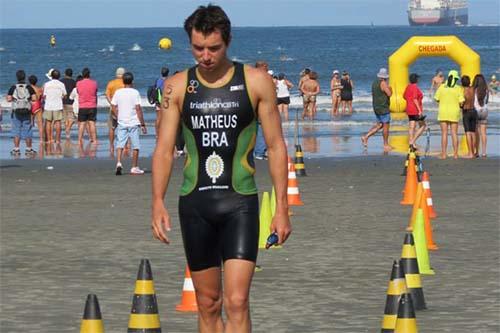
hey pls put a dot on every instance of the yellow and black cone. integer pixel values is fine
(300, 169)
(406, 322)
(406, 161)
(397, 287)
(412, 274)
(144, 314)
(92, 319)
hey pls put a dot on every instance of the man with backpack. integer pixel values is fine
(21, 95)
(154, 95)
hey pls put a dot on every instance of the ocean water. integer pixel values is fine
(360, 50)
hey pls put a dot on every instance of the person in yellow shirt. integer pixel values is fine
(111, 88)
(450, 97)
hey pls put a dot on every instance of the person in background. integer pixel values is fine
(381, 93)
(346, 92)
(335, 89)
(283, 87)
(21, 95)
(414, 109)
(159, 90)
(36, 108)
(260, 149)
(450, 97)
(126, 107)
(436, 82)
(481, 99)
(54, 92)
(494, 85)
(304, 76)
(87, 110)
(310, 90)
(111, 88)
(69, 115)
(469, 116)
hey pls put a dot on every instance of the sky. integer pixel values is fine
(171, 13)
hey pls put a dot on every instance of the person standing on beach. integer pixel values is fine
(69, 115)
(218, 102)
(450, 97)
(436, 82)
(159, 89)
(381, 93)
(53, 95)
(36, 108)
(21, 95)
(87, 111)
(126, 108)
(304, 76)
(494, 85)
(111, 88)
(310, 89)
(260, 151)
(346, 92)
(283, 87)
(414, 109)
(335, 89)
(481, 98)
(469, 116)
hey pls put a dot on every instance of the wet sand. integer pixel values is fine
(78, 229)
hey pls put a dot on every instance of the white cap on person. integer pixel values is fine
(120, 71)
(382, 73)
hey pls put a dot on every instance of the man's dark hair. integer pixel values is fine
(32, 79)
(68, 72)
(79, 78)
(55, 75)
(414, 78)
(207, 19)
(20, 75)
(86, 73)
(465, 81)
(164, 71)
(128, 78)
(307, 70)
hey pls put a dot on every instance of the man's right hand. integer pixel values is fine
(160, 223)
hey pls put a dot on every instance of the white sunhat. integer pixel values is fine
(382, 73)
(270, 72)
(120, 71)
(49, 74)
(336, 72)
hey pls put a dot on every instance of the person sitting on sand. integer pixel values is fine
(414, 109)
(449, 96)
(310, 89)
(381, 93)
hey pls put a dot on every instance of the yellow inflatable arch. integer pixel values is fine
(427, 46)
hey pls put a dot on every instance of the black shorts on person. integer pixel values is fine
(284, 100)
(470, 120)
(217, 226)
(85, 114)
(416, 117)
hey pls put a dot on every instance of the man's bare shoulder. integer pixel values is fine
(255, 73)
(176, 82)
(258, 80)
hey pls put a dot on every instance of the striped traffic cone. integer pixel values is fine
(406, 322)
(293, 189)
(144, 314)
(416, 205)
(431, 245)
(424, 266)
(397, 286)
(412, 274)
(188, 299)
(426, 184)
(92, 319)
(299, 161)
(264, 220)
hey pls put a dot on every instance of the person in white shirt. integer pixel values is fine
(53, 93)
(283, 94)
(126, 107)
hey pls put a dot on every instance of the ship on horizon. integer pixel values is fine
(438, 12)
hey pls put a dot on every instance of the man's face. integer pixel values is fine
(209, 51)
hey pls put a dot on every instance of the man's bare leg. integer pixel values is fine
(208, 286)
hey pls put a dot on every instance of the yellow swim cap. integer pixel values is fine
(454, 74)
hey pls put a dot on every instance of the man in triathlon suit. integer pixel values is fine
(216, 102)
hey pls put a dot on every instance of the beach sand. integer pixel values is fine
(75, 229)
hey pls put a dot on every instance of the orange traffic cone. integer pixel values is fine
(427, 224)
(188, 299)
(410, 189)
(427, 191)
(293, 188)
(416, 206)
